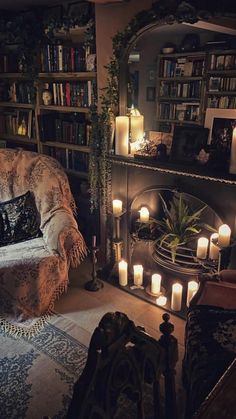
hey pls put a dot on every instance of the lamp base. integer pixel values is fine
(94, 285)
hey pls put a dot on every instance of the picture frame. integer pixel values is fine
(158, 137)
(24, 122)
(212, 114)
(150, 94)
(187, 143)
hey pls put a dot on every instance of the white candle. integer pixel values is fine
(192, 289)
(176, 297)
(122, 135)
(117, 207)
(133, 147)
(123, 273)
(144, 215)
(138, 275)
(161, 301)
(156, 283)
(224, 235)
(232, 166)
(202, 246)
(136, 127)
(214, 250)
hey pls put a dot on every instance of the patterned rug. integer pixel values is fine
(37, 374)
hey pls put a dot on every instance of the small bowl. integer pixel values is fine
(167, 50)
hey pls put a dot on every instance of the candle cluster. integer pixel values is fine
(222, 238)
(129, 131)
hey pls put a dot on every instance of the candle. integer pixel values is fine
(144, 215)
(192, 289)
(123, 273)
(136, 127)
(122, 135)
(224, 235)
(94, 241)
(232, 166)
(161, 301)
(133, 147)
(138, 275)
(176, 297)
(214, 250)
(202, 246)
(117, 207)
(156, 283)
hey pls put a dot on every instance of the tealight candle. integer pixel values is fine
(156, 283)
(144, 215)
(214, 250)
(117, 207)
(192, 289)
(224, 235)
(123, 273)
(176, 297)
(122, 135)
(136, 127)
(202, 246)
(161, 301)
(138, 274)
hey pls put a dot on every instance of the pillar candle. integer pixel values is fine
(156, 283)
(176, 297)
(202, 246)
(117, 207)
(224, 235)
(161, 301)
(123, 273)
(122, 135)
(138, 275)
(232, 166)
(214, 250)
(144, 215)
(192, 289)
(136, 127)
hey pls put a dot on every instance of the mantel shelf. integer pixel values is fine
(197, 173)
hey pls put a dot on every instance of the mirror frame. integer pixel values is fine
(162, 12)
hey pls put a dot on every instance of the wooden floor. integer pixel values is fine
(86, 308)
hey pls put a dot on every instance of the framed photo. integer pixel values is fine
(158, 137)
(187, 143)
(24, 122)
(220, 123)
(151, 94)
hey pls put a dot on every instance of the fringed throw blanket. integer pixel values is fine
(34, 272)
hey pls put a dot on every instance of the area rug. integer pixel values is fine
(37, 374)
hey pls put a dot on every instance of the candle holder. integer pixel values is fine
(117, 242)
(94, 284)
(224, 254)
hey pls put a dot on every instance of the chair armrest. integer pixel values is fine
(228, 275)
(220, 294)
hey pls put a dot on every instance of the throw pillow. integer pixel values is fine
(19, 219)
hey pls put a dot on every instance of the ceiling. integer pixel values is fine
(25, 4)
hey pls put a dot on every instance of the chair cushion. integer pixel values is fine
(19, 219)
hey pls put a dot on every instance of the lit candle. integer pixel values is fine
(133, 147)
(232, 166)
(176, 297)
(94, 241)
(122, 135)
(192, 289)
(123, 273)
(224, 235)
(202, 246)
(214, 250)
(136, 127)
(144, 215)
(117, 207)
(156, 283)
(138, 275)
(161, 301)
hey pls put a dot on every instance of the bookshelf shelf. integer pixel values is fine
(64, 108)
(85, 75)
(19, 138)
(180, 78)
(15, 76)
(178, 121)
(76, 147)
(179, 99)
(16, 105)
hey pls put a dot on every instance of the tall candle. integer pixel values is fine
(202, 246)
(123, 273)
(117, 207)
(224, 235)
(232, 166)
(192, 289)
(176, 297)
(156, 283)
(144, 215)
(136, 127)
(122, 135)
(214, 250)
(138, 275)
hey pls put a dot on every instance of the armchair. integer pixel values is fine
(33, 273)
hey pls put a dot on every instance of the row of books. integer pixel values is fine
(182, 67)
(223, 62)
(222, 102)
(8, 123)
(8, 63)
(77, 94)
(70, 159)
(56, 58)
(179, 89)
(17, 92)
(180, 111)
(226, 84)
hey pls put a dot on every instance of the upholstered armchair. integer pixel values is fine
(39, 238)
